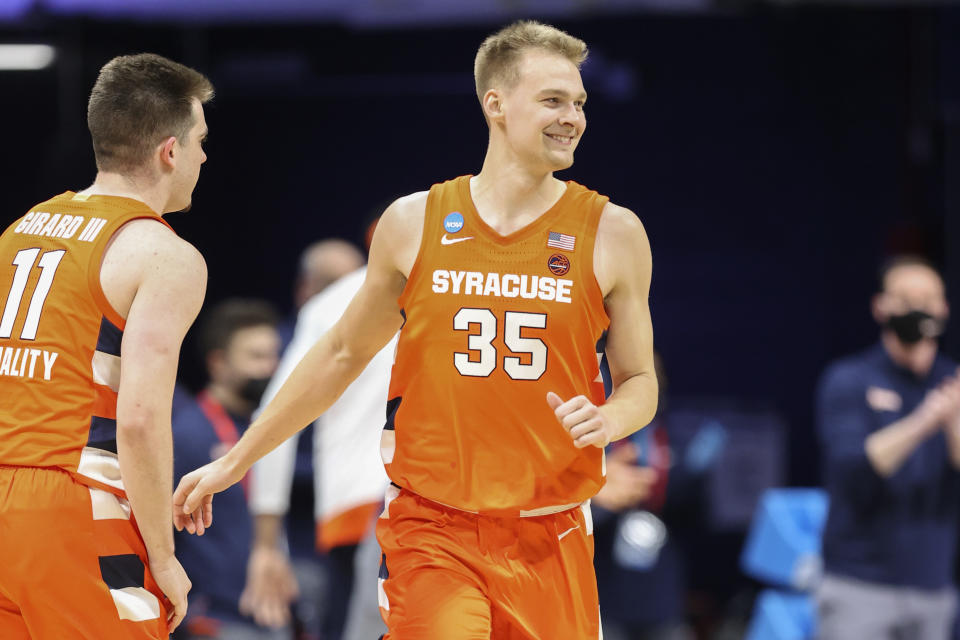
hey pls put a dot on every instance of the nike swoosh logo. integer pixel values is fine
(570, 530)
(446, 240)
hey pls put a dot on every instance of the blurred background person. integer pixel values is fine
(320, 265)
(639, 563)
(349, 483)
(240, 347)
(889, 426)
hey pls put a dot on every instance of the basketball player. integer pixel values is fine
(89, 280)
(507, 286)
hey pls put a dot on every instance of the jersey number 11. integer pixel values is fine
(24, 261)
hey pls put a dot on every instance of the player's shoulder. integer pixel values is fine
(399, 230)
(410, 210)
(621, 232)
(145, 248)
(153, 239)
(616, 219)
(406, 212)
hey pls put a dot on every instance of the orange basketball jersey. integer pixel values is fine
(491, 324)
(60, 338)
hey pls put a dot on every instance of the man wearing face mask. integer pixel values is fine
(240, 347)
(889, 424)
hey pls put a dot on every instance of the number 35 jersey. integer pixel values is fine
(492, 323)
(60, 338)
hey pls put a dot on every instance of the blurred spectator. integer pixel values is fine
(321, 264)
(349, 485)
(639, 565)
(889, 424)
(240, 348)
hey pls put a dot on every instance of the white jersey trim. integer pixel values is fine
(108, 506)
(102, 466)
(136, 604)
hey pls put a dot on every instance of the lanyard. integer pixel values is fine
(223, 426)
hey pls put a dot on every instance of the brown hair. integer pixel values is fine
(138, 101)
(498, 57)
(227, 318)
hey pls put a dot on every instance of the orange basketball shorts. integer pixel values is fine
(72, 563)
(448, 574)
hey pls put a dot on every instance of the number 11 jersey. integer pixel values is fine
(491, 324)
(60, 338)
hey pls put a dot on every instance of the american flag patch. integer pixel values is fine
(561, 241)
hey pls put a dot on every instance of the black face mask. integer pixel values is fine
(252, 390)
(915, 325)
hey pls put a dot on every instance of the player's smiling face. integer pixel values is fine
(544, 111)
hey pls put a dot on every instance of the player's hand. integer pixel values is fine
(174, 583)
(271, 588)
(195, 522)
(193, 499)
(583, 420)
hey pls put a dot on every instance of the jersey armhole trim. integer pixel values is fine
(96, 262)
(414, 275)
(594, 292)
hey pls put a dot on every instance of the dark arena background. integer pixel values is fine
(776, 153)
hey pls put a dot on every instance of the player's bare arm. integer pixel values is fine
(158, 282)
(623, 265)
(371, 319)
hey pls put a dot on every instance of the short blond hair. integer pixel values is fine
(499, 56)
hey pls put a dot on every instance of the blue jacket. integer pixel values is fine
(215, 562)
(900, 530)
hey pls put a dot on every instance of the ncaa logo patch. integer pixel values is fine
(453, 222)
(559, 264)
